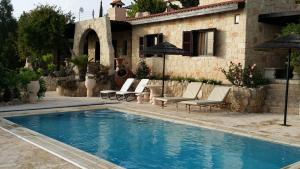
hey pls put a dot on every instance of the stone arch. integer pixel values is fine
(89, 44)
(102, 28)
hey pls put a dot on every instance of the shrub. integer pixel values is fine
(27, 75)
(152, 6)
(250, 76)
(43, 88)
(143, 70)
(234, 74)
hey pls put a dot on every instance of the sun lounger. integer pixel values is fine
(138, 90)
(216, 97)
(110, 93)
(190, 93)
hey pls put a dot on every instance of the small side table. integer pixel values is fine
(155, 91)
(140, 98)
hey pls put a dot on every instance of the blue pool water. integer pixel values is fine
(138, 142)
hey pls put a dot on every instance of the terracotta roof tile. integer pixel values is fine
(188, 9)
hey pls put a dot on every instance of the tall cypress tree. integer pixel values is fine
(101, 10)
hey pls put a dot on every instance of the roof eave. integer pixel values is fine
(187, 14)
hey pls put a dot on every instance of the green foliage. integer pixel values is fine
(51, 68)
(80, 61)
(143, 70)
(189, 3)
(48, 58)
(27, 75)
(134, 9)
(253, 77)
(295, 61)
(41, 31)
(8, 34)
(295, 58)
(250, 76)
(291, 29)
(189, 79)
(152, 6)
(43, 88)
(234, 74)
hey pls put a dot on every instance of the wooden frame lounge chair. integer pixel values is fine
(138, 90)
(216, 97)
(110, 93)
(190, 93)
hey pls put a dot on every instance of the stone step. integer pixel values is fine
(282, 91)
(274, 109)
(282, 87)
(282, 98)
(281, 104)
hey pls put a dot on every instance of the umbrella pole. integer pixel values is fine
(287, 87)
(163, 78)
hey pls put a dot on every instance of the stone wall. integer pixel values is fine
(230, 45)
(239, 99)
(81, 90)
(259, 32)
(102, 28)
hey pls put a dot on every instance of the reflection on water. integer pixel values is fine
(138, 142)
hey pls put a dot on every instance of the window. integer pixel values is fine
(199, 42)
(237, 19)
(125, 46)
(148, 41)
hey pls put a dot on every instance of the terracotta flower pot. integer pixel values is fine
(33, 88)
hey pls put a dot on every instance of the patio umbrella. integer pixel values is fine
(164, 48)
(288, 42)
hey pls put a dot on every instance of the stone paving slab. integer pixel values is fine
(18, 154)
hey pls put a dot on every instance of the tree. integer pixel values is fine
(189, 3)
(41, 31)
(152, 6)
(8, 28)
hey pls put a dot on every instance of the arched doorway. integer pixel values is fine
(90, 45)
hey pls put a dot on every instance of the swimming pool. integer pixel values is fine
(138, 142)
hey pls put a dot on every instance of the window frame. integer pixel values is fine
(190, 51)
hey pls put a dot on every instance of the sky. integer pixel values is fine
(65, 5)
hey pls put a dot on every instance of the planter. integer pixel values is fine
(296, 76)
(247, 100)
(90, 84)
(33, 88)
(60, 90)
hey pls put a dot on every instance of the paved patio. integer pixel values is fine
(263, 126)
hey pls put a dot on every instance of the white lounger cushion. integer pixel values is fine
(124, 88)
(217, 96)
(192, 90)
(190, 93)
(139, 89)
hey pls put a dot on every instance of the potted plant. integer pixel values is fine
(81, 63)
(30, 83)
(90, 83)
(295, 61)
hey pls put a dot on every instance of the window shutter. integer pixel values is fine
(187, 43)
(141, 44)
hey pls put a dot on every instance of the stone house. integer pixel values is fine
(212, 34)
